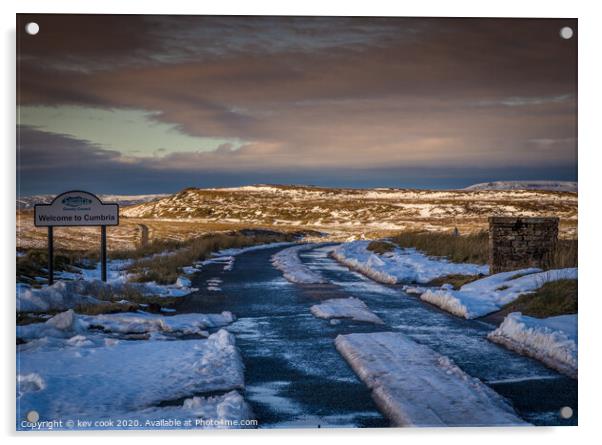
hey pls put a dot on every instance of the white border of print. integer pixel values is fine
(590, 73)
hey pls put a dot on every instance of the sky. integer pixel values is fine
(150, 104)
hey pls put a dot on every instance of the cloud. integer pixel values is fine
(52, 163)
(318, 93)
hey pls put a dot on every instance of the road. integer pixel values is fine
(143, 234)
(294, 375)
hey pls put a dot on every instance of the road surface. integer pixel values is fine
(294, 375)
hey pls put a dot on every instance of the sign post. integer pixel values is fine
(76, 208)
(103, 252)
(50, 257)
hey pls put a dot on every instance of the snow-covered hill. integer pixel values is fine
(27, 202)
(556, 186)
(354, 210)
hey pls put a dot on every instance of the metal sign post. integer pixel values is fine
(103, 252)
(50, 256)
(76, 208)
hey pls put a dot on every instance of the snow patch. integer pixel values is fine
(487, 295)
(132, 379)
(288, 262)
(552, 340)
(74, 327)
(351, 308)
(415, 386)
(224, 411)
(556, 186)
(27, 383)
(64, 295)
(400, 265)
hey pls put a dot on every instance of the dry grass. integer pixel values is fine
(34, 263)
(472, 248)
(457, 281)
(565, 254)
(553, 298)
(154, 247)
(380, 247)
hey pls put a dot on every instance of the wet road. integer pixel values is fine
(295, 376)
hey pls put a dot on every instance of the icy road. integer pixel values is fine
(296, 377)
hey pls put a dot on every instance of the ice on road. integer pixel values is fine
(288, 262)
(349, 308)
(415, 386)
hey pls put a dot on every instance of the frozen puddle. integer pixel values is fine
(415, 386)
(345, 308)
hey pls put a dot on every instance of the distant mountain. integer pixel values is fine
(555, 186)
(27, 202)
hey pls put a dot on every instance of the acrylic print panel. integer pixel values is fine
(321, 222)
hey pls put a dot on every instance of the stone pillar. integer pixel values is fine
(516, 243)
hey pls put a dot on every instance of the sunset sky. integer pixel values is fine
(149, 104)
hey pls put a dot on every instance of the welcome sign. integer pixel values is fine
(76, 208)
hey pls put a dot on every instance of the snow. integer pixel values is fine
(60, 296)
(213, 284)
(489, 294)
(28, 202)
(415, 386)
(183, 282)
(240, 250)
(213, 412)
(352, 212)
(399, 265)
(551, 340)
(557, 186)
(288, 262)
(69, 325)
(135, 380)
(414, 290)
(27, 383)
(76, 288)
(350, 308)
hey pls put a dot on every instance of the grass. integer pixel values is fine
(553, 298)
(164, 269)
(474, 248)
(456, 280)
(153, 247)
(35, 262)
(109, 297)
(380, 247)
(565, 254)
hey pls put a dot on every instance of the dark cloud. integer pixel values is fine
(320, 93)
(52, 163)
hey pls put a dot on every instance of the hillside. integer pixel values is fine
(27, 202)
(338, 213)
(355, 210)
(555, 186)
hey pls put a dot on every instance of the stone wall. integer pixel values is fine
(516, 243)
